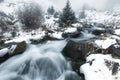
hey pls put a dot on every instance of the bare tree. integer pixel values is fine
(31, 15)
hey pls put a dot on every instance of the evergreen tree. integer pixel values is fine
(51, 10)
(67, 17)
(82, 13)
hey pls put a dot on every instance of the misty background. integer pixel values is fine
(77, 4)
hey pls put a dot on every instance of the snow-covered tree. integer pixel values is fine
(51, 10)
(31, 15)
(67, 17)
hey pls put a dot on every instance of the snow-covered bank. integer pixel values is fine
(99, 70)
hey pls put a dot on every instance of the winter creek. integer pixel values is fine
(39, 62)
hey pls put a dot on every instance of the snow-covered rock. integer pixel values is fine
(70, 30)
(57, 35)
(3, 52)
(105, 43)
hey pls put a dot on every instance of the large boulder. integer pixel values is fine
(20, 48)
(77, 52)
(73, 50)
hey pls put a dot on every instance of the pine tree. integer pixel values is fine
(82, 13)
(67, 17)
(51, 10)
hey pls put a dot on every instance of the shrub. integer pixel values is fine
(31, 15)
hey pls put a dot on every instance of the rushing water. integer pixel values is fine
(39, 62)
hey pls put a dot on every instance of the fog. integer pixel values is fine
(77, 4)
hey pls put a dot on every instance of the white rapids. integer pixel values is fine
(39, 62)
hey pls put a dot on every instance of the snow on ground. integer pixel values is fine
(27, 36)
(98, 70)
(103, 17)
(51, 22)
(104, 44)
(95, 16)
(57, 35)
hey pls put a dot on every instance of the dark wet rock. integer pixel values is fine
(102, 51)
(34, 41)
(71, 76)
(20, 48)
(82, 76)
(76, 52)
(99, 50)
(47, 37)
(114, 50)
(98, 32)
(71, 35)
(115, 68)
(73, 50)
(79, 29)
(76, 66)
